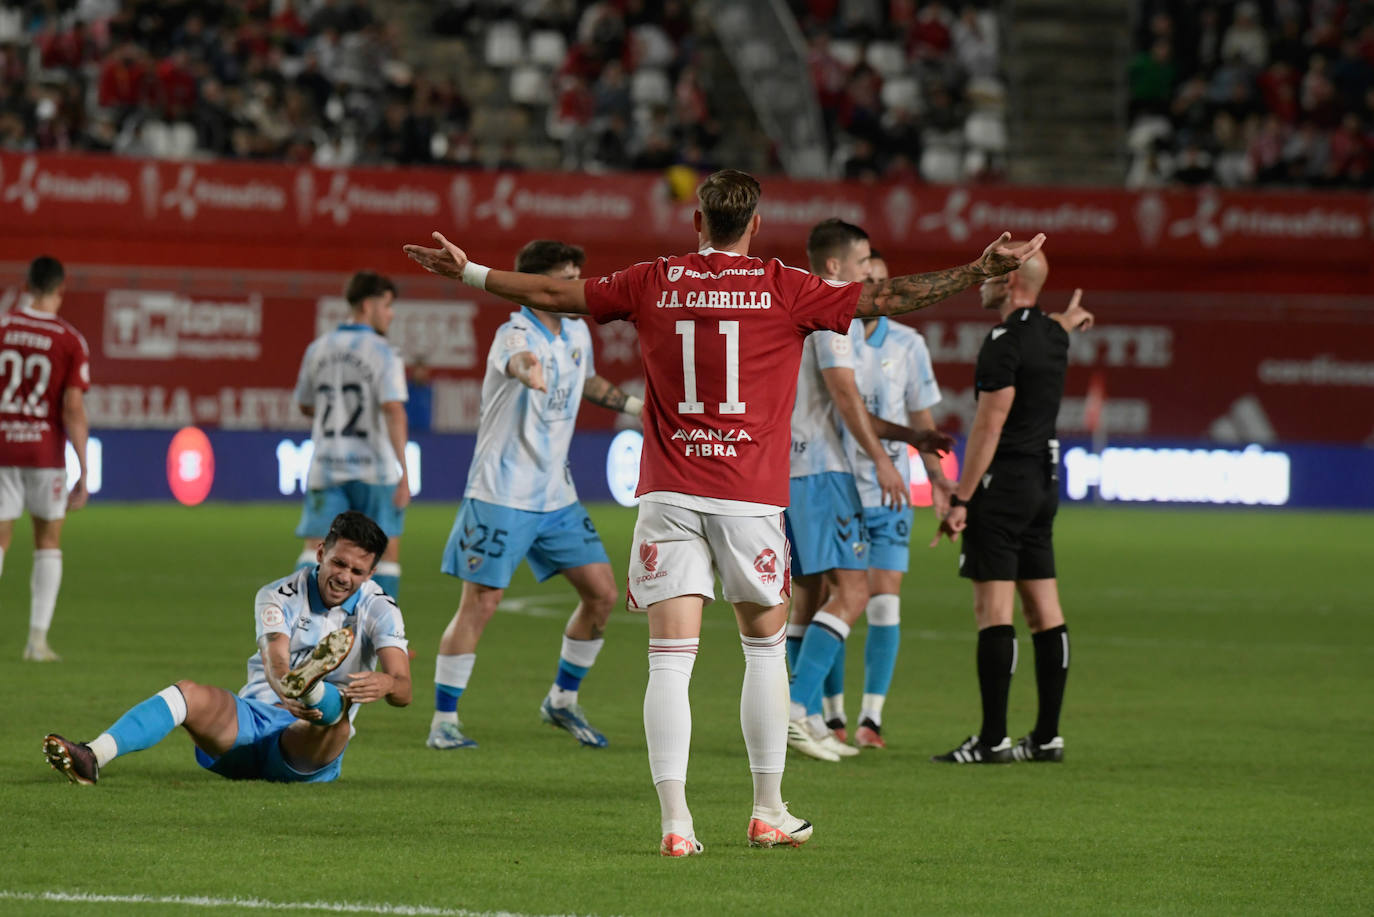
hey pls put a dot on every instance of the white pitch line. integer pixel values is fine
(258, 904)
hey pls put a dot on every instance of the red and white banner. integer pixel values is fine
(1234, 315)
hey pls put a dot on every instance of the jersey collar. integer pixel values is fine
(875, 340)
(544, 329)
(317, 605)
(351, 326)
(34, 313)
(708, 250)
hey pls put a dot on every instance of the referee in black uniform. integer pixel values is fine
(1004, 505)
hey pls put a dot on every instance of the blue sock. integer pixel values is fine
(390, 584)
(143, 726)
(817, 655)
(880, 656)
(793, 648)
(569, 676)
(330, 706)
(446, 698)
(834, 679)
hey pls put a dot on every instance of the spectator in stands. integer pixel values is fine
(1152, 77)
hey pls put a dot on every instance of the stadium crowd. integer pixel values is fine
(1238, 94)
(908, 90)
(295, 80)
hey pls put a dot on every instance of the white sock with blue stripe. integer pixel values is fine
(451, 674)
(575, 660)
(388, 576)
(142, 727)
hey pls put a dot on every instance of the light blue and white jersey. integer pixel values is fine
(347, 375)
(893, 370)
(816, 443)
(292, 605)
(521, 457)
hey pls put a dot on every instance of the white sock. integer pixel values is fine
(668, 727)
(832, 708)
(43, 585)
(176, 703)
(307, 559)
(105, 748)
(763, 713)
(441, 717)
(873, 708)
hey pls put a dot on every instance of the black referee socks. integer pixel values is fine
(996, 663)
(1051, 672)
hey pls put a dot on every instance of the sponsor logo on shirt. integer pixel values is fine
(712, 443)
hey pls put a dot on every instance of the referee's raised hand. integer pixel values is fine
(447, 261)
(1002, 257)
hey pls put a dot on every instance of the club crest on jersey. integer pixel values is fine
(474, 561)
(860, 548)
(272, 616)
(767, 565)
(675, 273)
(577, 356)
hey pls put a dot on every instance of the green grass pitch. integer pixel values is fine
(1218, 729)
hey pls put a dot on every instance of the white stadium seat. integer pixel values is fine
(504, 46)
(548, 49)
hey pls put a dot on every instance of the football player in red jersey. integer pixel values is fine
(720, 335)
(45, 367)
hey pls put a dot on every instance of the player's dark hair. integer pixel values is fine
(45, 275)
(728, 200)
(831, 239)
(544, 255)
(355, 527)
(365, 285)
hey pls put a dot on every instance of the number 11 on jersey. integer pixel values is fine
(690, 404)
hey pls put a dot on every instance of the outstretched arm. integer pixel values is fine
(916, 291)
(537, 291)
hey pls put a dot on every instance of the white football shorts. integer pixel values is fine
(680, 551)
(41, 491)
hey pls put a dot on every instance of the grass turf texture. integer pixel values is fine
(1217, 727)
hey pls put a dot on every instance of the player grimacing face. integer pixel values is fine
(343, 568)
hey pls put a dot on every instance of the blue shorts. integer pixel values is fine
(825, 524)
(489, 541)
(372, 500)
(256, 754)
(889, 537)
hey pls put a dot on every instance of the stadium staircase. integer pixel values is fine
(1066, 65)
(498, 118)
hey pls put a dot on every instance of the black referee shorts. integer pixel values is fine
(1010, 534)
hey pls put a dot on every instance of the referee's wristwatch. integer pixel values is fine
(956, 500)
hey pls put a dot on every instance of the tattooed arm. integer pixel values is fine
(599, 390)
(916, 291)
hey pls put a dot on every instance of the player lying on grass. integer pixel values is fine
(322, 632)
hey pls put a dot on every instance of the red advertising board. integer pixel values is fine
(1234, 315)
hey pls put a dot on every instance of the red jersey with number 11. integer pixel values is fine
(41, 356)
(720, 335)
